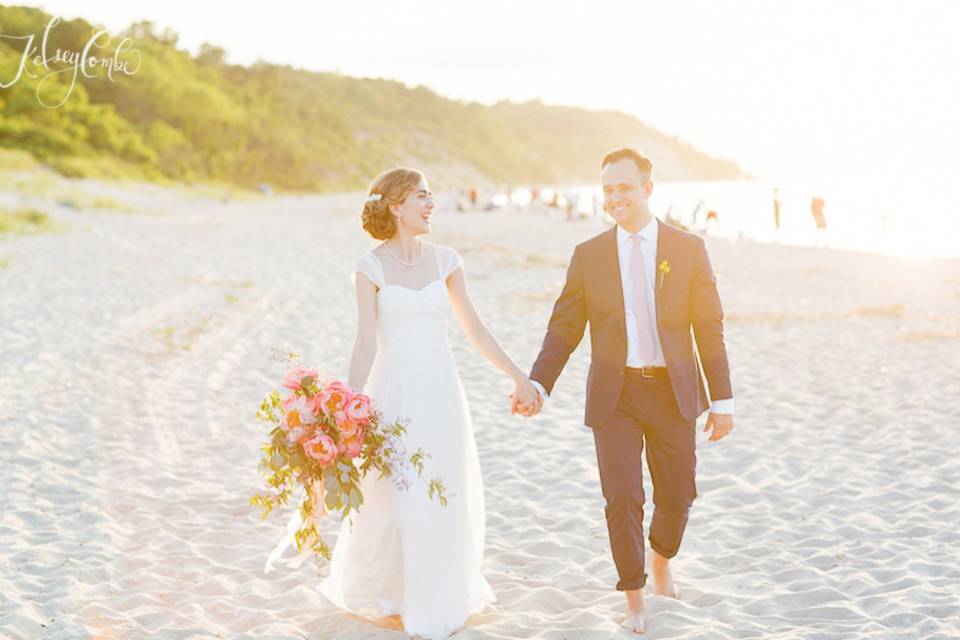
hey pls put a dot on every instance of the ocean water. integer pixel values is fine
(922, 220)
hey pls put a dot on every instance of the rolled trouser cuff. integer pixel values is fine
(632, 585)
(666, 532)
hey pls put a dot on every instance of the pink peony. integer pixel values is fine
(358, 409)
(295, 377)
(347, 428)
(321, 448)
(298, 410)
(351, 447)
(333, 398)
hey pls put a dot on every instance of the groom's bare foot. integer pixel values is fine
(636, 620)
(662, 577)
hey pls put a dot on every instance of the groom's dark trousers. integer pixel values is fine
(629, 412)
(646, 417)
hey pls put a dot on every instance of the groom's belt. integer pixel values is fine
(647, 372)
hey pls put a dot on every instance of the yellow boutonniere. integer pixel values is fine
(663, 269)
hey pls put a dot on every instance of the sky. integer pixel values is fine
(849, 94)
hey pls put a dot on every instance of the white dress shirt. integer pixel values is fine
(625, 254)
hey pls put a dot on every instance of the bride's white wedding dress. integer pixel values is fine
(405, 553)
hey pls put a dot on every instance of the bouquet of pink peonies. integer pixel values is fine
(325, 438)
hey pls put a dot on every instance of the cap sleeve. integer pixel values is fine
(451, 261)
(370, 267)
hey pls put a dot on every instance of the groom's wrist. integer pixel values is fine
(722, 406)
(540, 390)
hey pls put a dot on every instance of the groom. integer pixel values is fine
(642, 286)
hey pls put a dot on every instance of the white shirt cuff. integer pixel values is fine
(722, 406)
(540, 390)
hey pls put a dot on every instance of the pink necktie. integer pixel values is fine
(641, 312)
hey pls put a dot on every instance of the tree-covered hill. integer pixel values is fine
(195, 118)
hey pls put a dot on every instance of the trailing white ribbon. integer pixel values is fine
(293, 525)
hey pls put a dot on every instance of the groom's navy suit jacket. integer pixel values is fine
(685, 297)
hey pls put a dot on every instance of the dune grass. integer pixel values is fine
(17, 160)
(82, 202)
(25, 221)
(103, 168)
(31, 182)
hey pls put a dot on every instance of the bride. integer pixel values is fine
(404, 558)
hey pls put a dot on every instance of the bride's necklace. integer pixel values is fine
(404, 263)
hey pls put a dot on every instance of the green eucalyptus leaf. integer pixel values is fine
(332, 501)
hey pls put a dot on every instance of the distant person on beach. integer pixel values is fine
(473, 198)
(776, 214)
(641, 286)
(696, 214)
(713, 218)
(572, 202)
(819, 219)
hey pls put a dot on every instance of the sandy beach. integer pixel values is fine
(135, 347)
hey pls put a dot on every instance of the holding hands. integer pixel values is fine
(525, 399)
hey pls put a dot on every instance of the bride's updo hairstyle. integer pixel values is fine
(390, 187)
